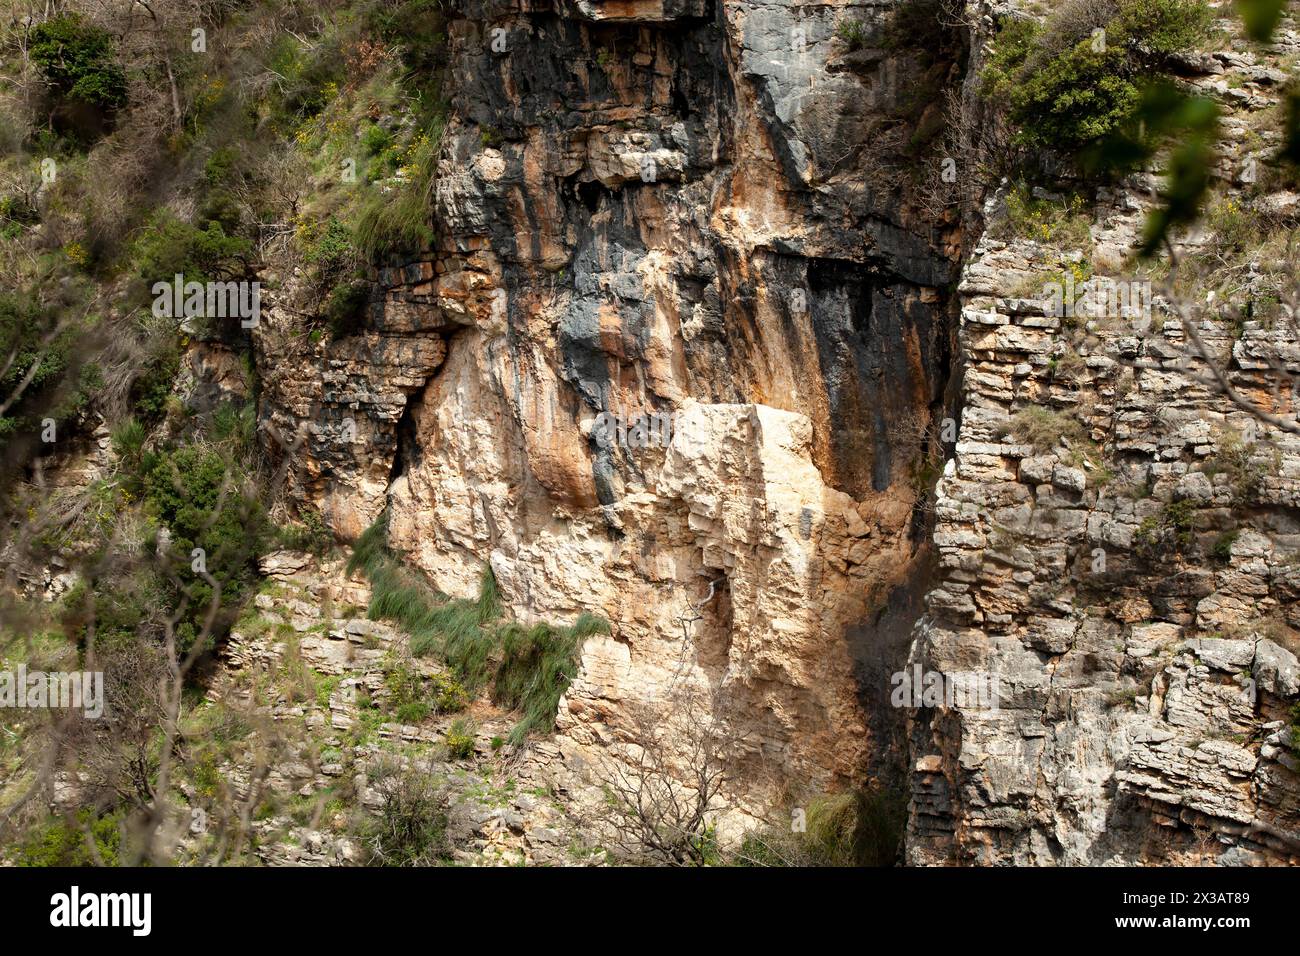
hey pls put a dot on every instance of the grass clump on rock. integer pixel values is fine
(527, 668)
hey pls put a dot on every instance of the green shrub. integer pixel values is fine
(168, 247)
(332, 251)
(406, 695)
(1066, 88)
(376, 139)
(61, 841)
(205, 772)
(411, 827)
(1237, 458)
(449, 695)
(311, 534)
(153, 386)
(196, 494)
(119, 605)
(1065, 224)
(200, 498)
(325, 688)
(412, 712)
(49, 364)
(76, 60)
(460, 739)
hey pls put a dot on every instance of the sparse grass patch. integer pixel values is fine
(853, 828)
(1043, 428)
(527, 668)
(854, 33)
(1064, 223)
(1172, 530)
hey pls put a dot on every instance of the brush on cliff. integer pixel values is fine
(528, 668)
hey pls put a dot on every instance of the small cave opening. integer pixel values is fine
(589, 194)
(406, 440)
(713, 625)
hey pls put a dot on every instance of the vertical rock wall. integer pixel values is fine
(701, 211)
(1130, 584)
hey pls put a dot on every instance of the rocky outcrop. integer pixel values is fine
(1128, 582)
(331, 412)
(681, 356)
(700, 218)
(307, 661)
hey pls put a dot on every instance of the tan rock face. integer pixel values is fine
(333, 409)
(683, 325)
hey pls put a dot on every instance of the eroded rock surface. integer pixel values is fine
(697, 213)
(1131, 588)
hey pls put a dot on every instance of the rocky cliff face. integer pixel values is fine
(679, 357)
(700, 217)
(1129, 581)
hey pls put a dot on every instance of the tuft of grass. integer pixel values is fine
(128, 441)
(401, 221)
(527, 668)
(1221, 550)
(1043, 428)
(852, 828)
(539, 664)
(853, 32)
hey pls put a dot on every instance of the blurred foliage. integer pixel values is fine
(42, 373)
(1079, 76)
(1109, 101)
(83, 839)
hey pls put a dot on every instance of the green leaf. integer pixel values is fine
(1291, 128)
(1187, 183)
(1163, 113)
(1261, 17)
